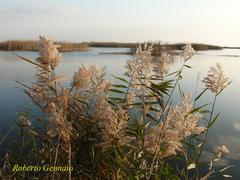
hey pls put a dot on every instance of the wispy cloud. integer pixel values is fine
(39, 9)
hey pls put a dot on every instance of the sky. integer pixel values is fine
(171, 21)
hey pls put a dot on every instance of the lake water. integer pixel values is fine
(226, 131)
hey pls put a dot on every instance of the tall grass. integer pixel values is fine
(127, 130)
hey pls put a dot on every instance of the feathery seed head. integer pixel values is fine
(221, 150)
(49, 52)
(162, 66)
(180, 123)
(215, 80)
(188, 51)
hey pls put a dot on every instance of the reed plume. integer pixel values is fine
(162, 66)
(188, 51)
(139, 69)
(215, 80)
(180, 123)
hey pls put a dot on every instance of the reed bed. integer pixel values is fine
(20, 45)
(127, 130)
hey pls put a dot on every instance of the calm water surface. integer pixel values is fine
(226, 130)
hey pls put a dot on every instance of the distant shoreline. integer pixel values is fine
(230, 47)
(21, 45)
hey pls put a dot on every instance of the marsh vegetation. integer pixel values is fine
(131, 129)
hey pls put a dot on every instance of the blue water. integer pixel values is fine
(226, 130)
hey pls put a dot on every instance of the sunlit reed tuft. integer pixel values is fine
(215, 80)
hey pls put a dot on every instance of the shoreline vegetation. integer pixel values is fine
(32, 45)
(126, 130)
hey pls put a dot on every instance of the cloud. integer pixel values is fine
(34, 8)
(28, 19)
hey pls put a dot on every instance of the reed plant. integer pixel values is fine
(130, 129)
